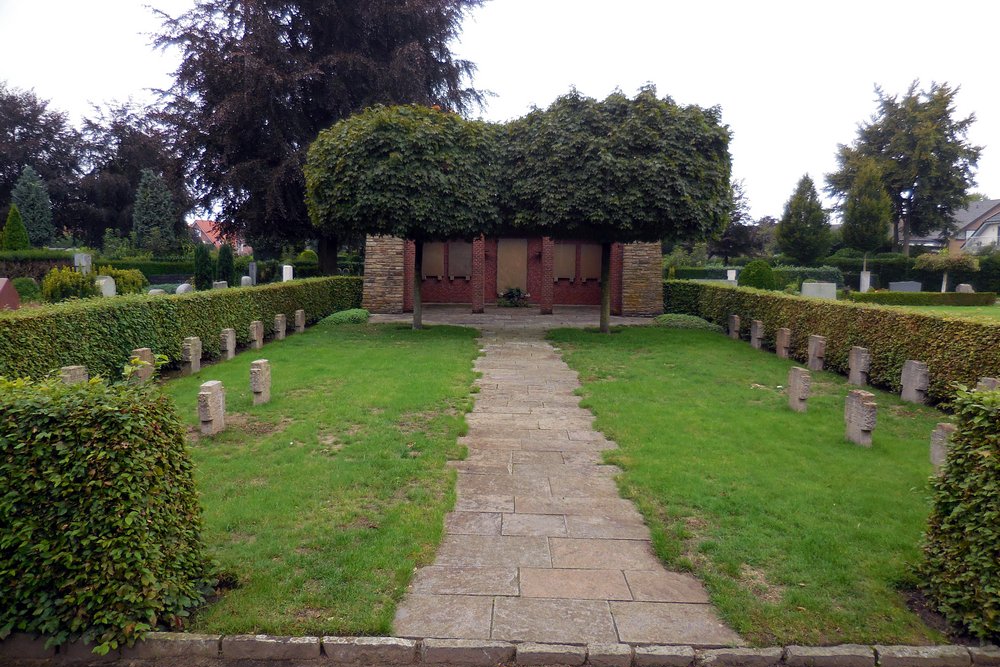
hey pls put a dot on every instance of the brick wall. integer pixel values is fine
(383, 285)
(642, 274)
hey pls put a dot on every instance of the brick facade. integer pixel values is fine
(642, 279)
(383, 282)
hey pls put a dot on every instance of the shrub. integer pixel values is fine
(101, 333)
(202, 267)
(27, 289)
(15, 236)
(127, 281)
(350, 316)
(961, 564)
(955, 349)
(784, 275)
(926, 298)
(225, 267)
(513, 297)
(308, 256)
(64, 283)
(99, 517)
(757, 274)
(678, 321)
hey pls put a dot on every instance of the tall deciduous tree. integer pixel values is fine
(923, 153)
(259, 79)
(641, 169)
(32, 199)
(804, 230)
(407, 171)
(154, 215)
(867, 211)
(740, 236)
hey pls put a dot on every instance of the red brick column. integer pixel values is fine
(548, 270)
(478, 274)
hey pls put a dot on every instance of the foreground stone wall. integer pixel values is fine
(383, 283)
(642, 279)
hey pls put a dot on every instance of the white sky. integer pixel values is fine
(793, 78)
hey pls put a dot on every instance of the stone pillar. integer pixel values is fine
(799, 381)
(642, 279)
(227, 341)
(859, 416)
(73, 374)
(212, 407)
(915, 380)
(988, 384)
(300, 321)
(191, 355)
(256, 335)
(940, 439)
(783, 342)
(144, 370)
(384, 274)
(548, 273)
(479, 275)
(252, 271)
(756, 334)
(734, 327)
(287, 272)
(817, 352)
(260, 381)
(860, 363)
(280, 325)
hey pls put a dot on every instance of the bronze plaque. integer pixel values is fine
(512, 265)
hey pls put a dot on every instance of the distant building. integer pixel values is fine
(204, 231)
(975, 228)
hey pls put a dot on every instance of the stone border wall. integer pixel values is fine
(182, 649)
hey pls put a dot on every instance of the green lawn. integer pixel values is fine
(991, 312)
(800, 536)
(322, 502)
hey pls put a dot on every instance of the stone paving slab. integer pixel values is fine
(489, 550)
(444, 616)
(473, 523)
(575, 584)
(690, 624)
(466, 580)
(538, 525)
(602, 554)
(535, 620)
(663, 586)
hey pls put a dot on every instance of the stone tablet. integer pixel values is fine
(300, 321)
(783, 342)
(220, 284)
(280, 324)
(246, 281)
(73, 374)
(860, 413)
(191, 355)
(227, 340)
(940, 439)
(9, 298)
(988, 384)
(212, 407)
(287, 272)
(82, 262)
(184, 288)
(820, 290)
(144, 370)
(107, 285)
(157, 292)
(799, 381)
(965, 288)
(905, 286)
(730, 274)
(915, 379)
(256, 335)
(817, 352)
(260, 381)
(734, 327)
(756, 334)
(860, 364)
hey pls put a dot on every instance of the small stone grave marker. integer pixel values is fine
(940, 439)
(227, 339)
(252, 271)
(287, 272)
(860, 413)
(256, 335)
(280, 324)
(191, 355)
(756, 334)
(817, 352)
(734, 327)
(860, 363)
(905, 286)
(799, 381)
(965, 288)
(730, 274)
(260, 381)
(212, 407)
(157, 292)
(144, 370)
(782, 342)
(865, 283)
(73, 374)
(819, 290)
(300, 321)
(915, 379)
(184, 288)
(107, 285)
(988, 384)
(220, 284)
(82, 262)
(246, 281)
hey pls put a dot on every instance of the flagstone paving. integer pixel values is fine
(540, 547)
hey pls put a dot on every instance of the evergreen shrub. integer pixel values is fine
(204, 271)
(757, 274)
(350, 316)
(127, 281)
(63, 283)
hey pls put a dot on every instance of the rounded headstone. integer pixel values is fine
(184, 288)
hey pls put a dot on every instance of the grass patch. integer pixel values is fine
(975, 312)
(320, 504)
(800, 537)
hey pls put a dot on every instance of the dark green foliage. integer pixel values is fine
(804, 230)
(154, 268)
(955, 350)
(349, 316)
(32, 199)
(926, 298)
(127, 281)
(27, 289)
(867, 211)
(15, 236)
(99, 518)
(101, 333)
(513, 297)
(783, 275)
(757, 274)
(32, 263)
(961, 565)
(63, 283)
(308, 255)
(203, 268)
(154, 215)
(225, 267)
(741, 237)
(679, 321)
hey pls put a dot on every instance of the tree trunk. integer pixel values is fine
(864, 263)
(944, 282)
(327, 248)
(418, 266)
(605, 288)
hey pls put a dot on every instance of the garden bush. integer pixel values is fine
(308, 256)
(679, 321)
(350, 316)
(757, 274)
(101, 333)
(955, 349)
(99, 517)
(63, 283)
(783, 275)
(204, 271)
(127, 281)
(14, 236)
(27, 289)
(961, 567)
(925, 298)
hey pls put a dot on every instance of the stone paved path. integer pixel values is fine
(540, 547)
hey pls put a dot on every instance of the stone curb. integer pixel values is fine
(164, 648)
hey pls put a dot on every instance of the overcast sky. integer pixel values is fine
(793, 78)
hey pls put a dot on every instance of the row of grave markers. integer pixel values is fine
(212, 397)
(191, 346)
(860, 409)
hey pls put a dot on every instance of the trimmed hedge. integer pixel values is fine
(961, 566)
(783, 275)
(926, 298)
(153, 268)
(101, 333)
(32, 263)
(99, 517)
(955, 349)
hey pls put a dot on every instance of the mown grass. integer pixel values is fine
(321, 503)
(978, 312)
(799, 536)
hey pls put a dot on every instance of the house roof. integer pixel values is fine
(207, 227)
(968, 219)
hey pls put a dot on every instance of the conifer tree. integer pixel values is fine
(15, 236)
(32, 199)
(225, 266)
(804, 230)
(154, 214)
(202, 267)
(867, 211)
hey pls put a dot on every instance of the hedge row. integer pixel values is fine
(783, 274)
(31, 267)
(101, 333)
(955, 350)
(152, 268)
(926, 298)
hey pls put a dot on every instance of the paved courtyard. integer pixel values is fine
(540, 547)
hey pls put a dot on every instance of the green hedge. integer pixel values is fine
(152, 268)
(784, 275)
(955, 350)
(961, 567)
(99, 517)
(925, 298)
(32, 263)
(101, 333)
